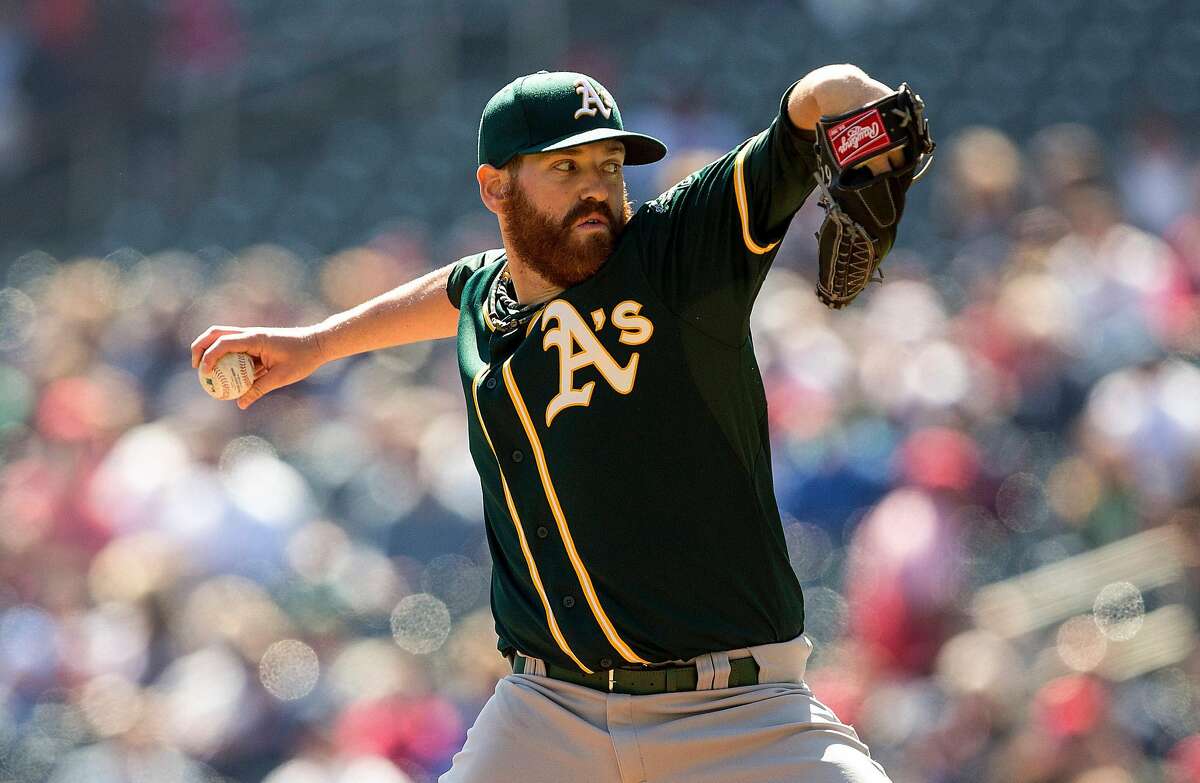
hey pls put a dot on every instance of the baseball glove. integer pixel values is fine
(862, 210)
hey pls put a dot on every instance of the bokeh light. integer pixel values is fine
(31, 271)
(810, 549)
(1170, 699)
(454, 579)
(1021, 502)
(289, 669)
(18, 318)
(242, 447)
(1119, 611)
(824, 614)
(420, 623)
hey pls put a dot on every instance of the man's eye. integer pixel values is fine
(612, 167)
(564, 165)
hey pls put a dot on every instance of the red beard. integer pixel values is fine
(555, 250)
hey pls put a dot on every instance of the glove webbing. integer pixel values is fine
(857, 263)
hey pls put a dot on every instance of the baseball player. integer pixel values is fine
(641, 586)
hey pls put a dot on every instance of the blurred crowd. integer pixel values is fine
(298, 593)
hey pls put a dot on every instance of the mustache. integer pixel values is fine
(590, 208)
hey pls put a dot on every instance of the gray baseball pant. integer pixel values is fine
(535, 729)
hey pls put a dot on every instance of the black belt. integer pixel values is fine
(641, 682)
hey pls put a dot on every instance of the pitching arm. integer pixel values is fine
(418, 310)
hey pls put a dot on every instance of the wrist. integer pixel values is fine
(319, 336)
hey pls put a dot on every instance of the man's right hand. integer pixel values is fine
(281, 355)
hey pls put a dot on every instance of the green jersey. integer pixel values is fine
(620, 429)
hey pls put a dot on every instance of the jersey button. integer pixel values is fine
(568, 601)
(490, 382)
(542, 532)
(606, 663)
(517, 456)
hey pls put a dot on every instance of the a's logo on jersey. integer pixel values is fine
(578, 347)
(592, 101)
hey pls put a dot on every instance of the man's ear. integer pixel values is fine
(493, 187)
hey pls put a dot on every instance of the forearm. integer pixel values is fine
(415, 311)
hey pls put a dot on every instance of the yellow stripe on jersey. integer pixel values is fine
(739, 191)
(512, 509)
(572, 554)
(487, 319)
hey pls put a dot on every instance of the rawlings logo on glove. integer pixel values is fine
(862, 210)
(859, 137)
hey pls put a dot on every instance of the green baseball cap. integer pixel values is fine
(551, 111)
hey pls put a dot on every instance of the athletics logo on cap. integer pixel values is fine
(592, 100)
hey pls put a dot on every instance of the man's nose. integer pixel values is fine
(593, 187)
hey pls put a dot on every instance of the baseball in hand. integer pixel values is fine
(230, 378)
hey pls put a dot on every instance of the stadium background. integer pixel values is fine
(989, 466)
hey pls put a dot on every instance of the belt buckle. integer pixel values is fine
(611, 677)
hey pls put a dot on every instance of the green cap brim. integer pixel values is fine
(639, 148)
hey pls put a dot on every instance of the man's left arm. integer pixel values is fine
(836, 89)
(872, 144)
(776, 170)
(710, 239)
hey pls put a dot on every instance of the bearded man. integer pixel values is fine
(641, 585)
